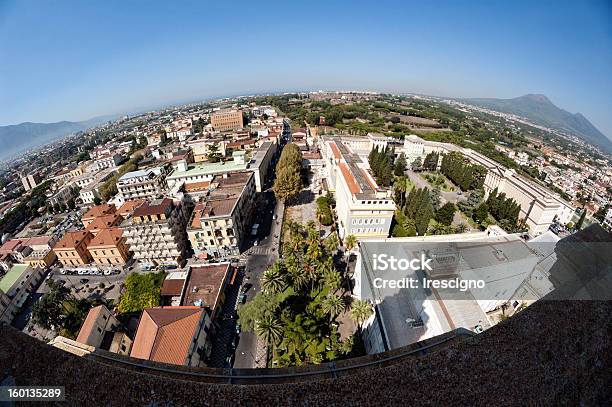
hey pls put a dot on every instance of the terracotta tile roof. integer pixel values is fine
(89, 324)
(165, 334)
(107, 237)
(197, 186)
(204, 285)
(100, 210)
(153, 207)
(196, 222)
(73, 239)
(38, 240)
(128, 208)
(105, 222)
(335, 150)
(11, 245)
(349, 178)
(172, 287)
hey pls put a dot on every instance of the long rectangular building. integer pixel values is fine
(364, 209)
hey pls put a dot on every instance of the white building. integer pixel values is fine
(364, 210)
(149, 183)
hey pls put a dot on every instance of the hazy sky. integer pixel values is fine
(63, 60)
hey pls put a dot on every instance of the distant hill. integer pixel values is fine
(17, 138)
(542, 111)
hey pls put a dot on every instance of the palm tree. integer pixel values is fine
(332, 279)
(273, 280)
(400, 186)
(350, 242)
(361, 310)
(269, 329)
(331, 243)
(333, 305)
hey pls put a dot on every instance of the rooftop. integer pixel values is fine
(204, 285)
(89, 324)
(107, 237)
(72, 239)
(105, 222)
(155, 207)
(165, 334)
(128, 207)
(99, 210)
(201, 169)
(12, 276)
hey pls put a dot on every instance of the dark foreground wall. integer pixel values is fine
(553, 353)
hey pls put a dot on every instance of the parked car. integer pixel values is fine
(84, 280)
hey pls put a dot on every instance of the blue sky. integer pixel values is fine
(74, 60)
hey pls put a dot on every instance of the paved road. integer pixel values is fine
(250, 352)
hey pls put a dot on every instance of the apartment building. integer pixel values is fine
(149, 183)
(106, 161)
(102, 330)
(94, 177)
(227, 120)
(30, 181)
(96, 212)
(156, 233)
(364, 209)
(204, 172)
(175, 335)
(109, 247)
(261, 163)
(42, 254)
(15, 287)
(221, 218)
(72, 249)
(156, 139)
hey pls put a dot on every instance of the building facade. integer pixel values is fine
(72, 249)
(156, 233)
(364, 210)
(109, 248)
(220, 220)
(227, 120)
(148, 183)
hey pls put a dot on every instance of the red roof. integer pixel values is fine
(349, 178)
(165, 334)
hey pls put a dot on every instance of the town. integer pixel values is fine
(239, 232)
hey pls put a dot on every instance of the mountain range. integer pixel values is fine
(17, 138)
(540, 110)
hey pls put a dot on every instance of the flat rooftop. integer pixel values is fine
(205, 284)
(11, 277)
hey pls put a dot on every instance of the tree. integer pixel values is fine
(361, 310)
(435, 197)
(400, 165)
(581, 220)
(49, 312)
(269, 329)
(256, 310)
(481, 212)
(445, 214)
(331, 243)
(287, 185)
(214, 155)
(430, 163)
(350, 242)
(333, 305)
(97, 200)
(273, 280)
(417, 165)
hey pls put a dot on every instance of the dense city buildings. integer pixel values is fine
(15, 287)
